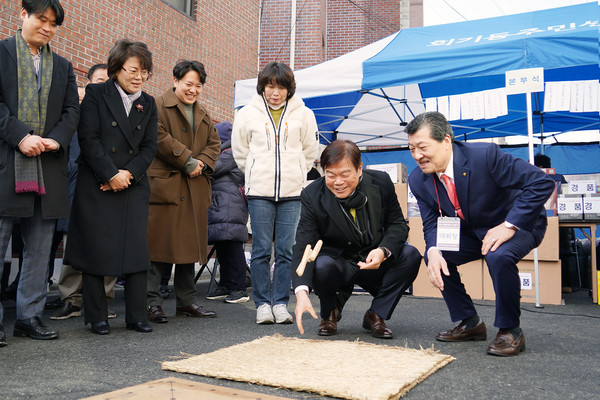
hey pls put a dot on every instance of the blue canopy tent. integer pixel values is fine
(369, 95)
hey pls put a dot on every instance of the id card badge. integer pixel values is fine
(448, 233)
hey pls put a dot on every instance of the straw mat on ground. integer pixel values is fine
(350, 370)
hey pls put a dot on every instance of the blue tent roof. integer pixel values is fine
(555, 38)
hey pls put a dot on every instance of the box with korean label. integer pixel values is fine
(570, 207)
(591, 207)
(581, 187)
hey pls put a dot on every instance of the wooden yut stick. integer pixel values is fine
(316, 250)
(308, 256)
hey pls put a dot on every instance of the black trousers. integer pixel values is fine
(96, 306)
(185, 287)
(232, 264)
(386, 284)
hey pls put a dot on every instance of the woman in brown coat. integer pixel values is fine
(188, 148)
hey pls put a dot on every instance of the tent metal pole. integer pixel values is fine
(293, 36)
(535, 251)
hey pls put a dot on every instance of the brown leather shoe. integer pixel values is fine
(195, 310)
(506, 345)
(328, 326)
(156, 314)
(461, 334)
(374, 323)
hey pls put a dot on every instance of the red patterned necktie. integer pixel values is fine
(452, 195)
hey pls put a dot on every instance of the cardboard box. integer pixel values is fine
(413, 206)
(550, 282)
(581, 187)
(548, 249)
(591, 207)
(402, 194)
(471, 275)
(549, 171)
(551, 204)
(570, 207)
(397, 172)
(415, 234)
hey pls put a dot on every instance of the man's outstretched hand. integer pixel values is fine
(303, 304)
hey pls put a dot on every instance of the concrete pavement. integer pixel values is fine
(562, 360)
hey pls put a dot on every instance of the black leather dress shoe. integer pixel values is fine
(143, 327)
(2, 336)
(506, 344)
(195, 310)
(34, 328)
(156, 314)
(328, 326)
(101, 328)
(460, 333)
(374, 323)
(53, 304)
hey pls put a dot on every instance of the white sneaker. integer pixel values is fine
(282, 316)
(264, 315)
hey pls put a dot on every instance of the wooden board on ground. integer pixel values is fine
(181, 389)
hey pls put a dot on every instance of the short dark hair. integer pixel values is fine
(542, 161)
(339, 149)
(94, 68)
(278, 74)
(184, 66)
(122, 51)
(439, 125)
(39, 7)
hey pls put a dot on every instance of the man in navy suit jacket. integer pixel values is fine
(501, 213)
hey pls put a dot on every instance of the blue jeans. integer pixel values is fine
(272, 221)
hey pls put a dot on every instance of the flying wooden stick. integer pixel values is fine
(308, 256)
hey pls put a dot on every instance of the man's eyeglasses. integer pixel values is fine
(134, 73)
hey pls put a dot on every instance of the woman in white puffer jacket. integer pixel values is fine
(274, 142)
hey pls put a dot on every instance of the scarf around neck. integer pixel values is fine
(354, 207)
(33, 92)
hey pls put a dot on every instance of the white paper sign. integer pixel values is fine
(431, 104)
(454, 108)
(526, 80)
(466, 105)
(526, 281)
(443, 106)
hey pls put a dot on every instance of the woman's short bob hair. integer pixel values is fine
(276, 74)
(123, 50)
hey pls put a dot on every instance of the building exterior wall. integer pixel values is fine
(325, 29)
(222, 34)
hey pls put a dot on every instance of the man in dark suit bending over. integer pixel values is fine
(357, 216)
(490, 200)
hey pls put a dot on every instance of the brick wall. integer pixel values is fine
(325, 29)
(222, 34)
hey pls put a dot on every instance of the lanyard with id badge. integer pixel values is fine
(448, 228)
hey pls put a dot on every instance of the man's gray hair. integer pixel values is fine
(439, 125)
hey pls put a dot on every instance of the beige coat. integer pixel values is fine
(177, 221)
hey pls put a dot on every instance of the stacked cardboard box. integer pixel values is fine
(476, 278)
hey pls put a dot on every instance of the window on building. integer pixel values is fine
(185, 6)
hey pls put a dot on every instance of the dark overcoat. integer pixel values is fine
(61, 122)
(177, 225)
(107, 230)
